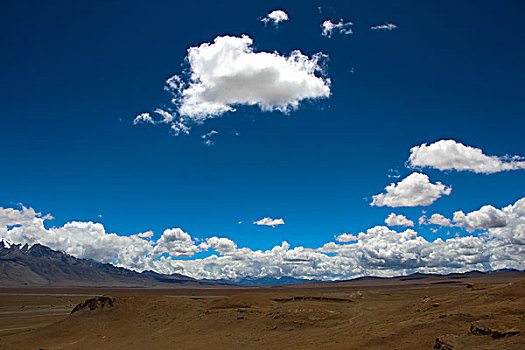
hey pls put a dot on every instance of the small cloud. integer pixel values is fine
(276, 17)
(398, 220)
(345, 238)
(147, 234)
(388, 27)
(207, 138)
(440, 220)
(452, 155)
(144, 118)
(328, 28)
(269, 222)
(393, 173)
(414, 190)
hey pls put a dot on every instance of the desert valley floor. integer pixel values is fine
(440, 312)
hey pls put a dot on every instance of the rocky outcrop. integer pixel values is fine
(446, 342)
(492, 328)
(98, 303)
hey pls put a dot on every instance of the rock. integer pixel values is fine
(492, 328)
(95, 303)
(446, 342)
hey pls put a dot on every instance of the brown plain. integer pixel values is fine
(471, 312)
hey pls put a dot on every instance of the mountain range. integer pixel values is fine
(40, 266)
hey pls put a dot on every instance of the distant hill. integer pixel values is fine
(265, 281)
(40, 266)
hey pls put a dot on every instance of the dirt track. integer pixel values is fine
(299, 317)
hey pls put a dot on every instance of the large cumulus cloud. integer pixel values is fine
(229, 73)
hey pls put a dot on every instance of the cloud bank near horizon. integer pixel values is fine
(228, 73)
(379, 251)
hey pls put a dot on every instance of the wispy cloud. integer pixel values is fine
(387, 27)
(207, 138)
(328, 28)
(393, 173)
(452, 155)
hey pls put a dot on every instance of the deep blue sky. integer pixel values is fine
(74, 74)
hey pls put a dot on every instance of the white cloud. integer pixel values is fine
(147, 234)
(452, 155)
(328, 28)
(176, 243)
(207, 138)
(398, 220)
(228, 73)
(220, 245)
(90, 240)
(276, 17)
(269, 222)
(484, 218)
(514, 230)
(413, 190)
(345, 238)
(393, 173)
(379, 251)
(440, 220)
(384, 27)
(143, 118)
(422, 220)
(11, 216)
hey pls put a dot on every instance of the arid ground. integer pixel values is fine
(469, 312)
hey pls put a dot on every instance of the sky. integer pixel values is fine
(218, 131)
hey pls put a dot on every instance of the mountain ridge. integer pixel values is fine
(40, 266)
